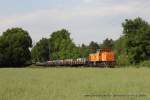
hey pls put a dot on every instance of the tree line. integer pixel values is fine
(133, 47)
(61, 46)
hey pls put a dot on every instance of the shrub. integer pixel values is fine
(145, 63)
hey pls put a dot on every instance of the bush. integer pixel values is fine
(145, 63)
(122, 60)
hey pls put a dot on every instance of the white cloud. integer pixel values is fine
(87, 1)
(86, 21)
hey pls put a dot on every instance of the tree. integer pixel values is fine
(84, 51)
(137, 33)
(93, 47)
(122, 58)
(62, 46)
(14, 47)
(40, 52)
(107, 43)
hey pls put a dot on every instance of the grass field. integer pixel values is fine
(74, 83)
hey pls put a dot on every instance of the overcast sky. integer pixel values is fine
(87, 20)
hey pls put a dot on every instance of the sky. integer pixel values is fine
(86, 20)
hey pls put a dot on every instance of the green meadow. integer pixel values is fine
(74, 84)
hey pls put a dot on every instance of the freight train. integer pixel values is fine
(102, 58)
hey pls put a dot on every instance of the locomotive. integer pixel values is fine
(102, 58)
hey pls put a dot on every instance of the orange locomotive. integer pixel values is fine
(103, 57)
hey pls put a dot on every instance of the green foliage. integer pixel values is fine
(62, 46)
(145, 63)
(122, 58)
(40, 52)
(107, 43)
(84, 51)
(137, 33)
(93, 47)
(120, 44)
(14, 47)
(134, 46)
(130, 27)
